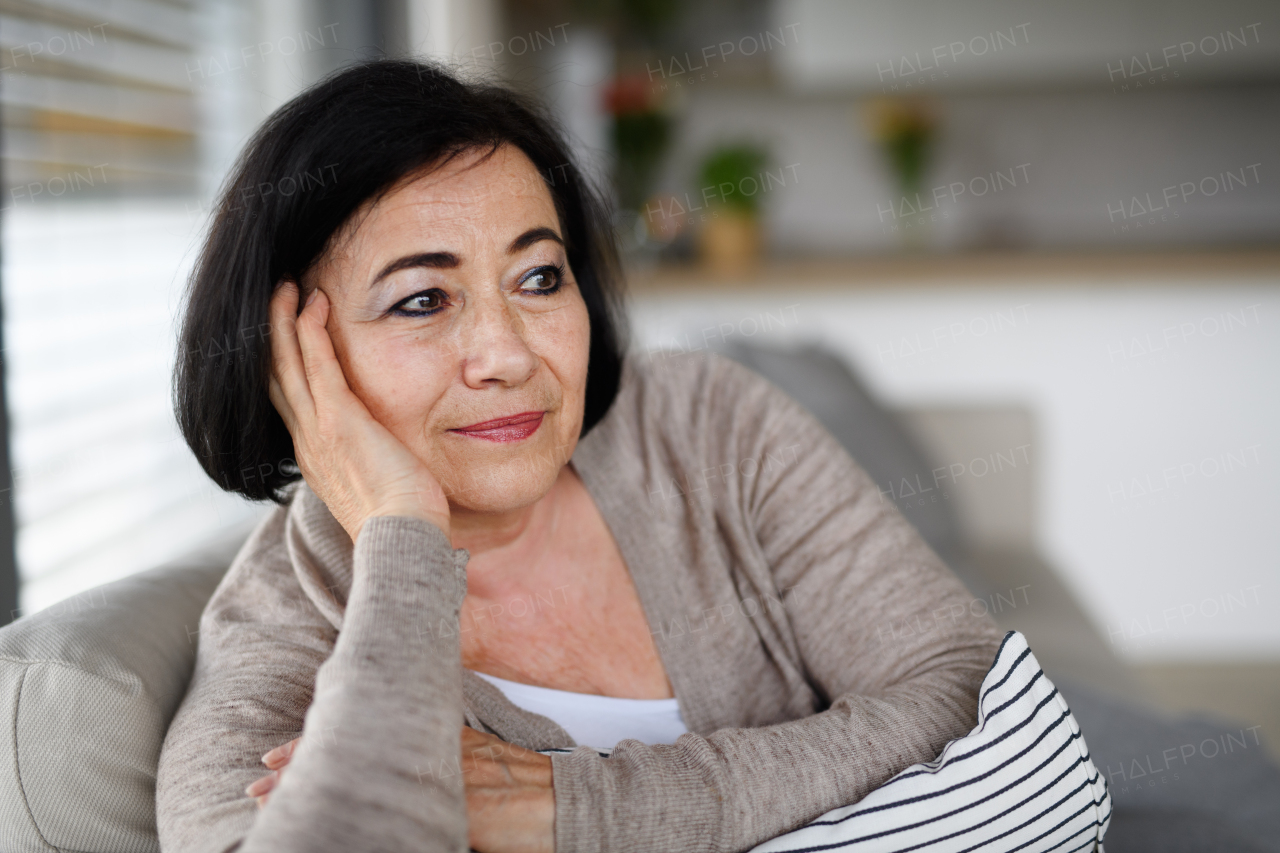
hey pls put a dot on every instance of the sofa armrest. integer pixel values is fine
(88, 687)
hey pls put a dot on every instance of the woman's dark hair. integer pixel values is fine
(338, 145)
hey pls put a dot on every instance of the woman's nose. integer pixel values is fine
(493, 346)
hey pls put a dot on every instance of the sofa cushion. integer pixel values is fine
(88, 688)
(1181, 784)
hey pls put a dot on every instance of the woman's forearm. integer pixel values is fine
(710, 794)
(372, 772)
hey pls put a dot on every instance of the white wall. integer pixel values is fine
(1157, 426)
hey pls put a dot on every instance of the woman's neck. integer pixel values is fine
(480, 533)
(509, 541)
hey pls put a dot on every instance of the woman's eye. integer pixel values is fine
(421, 304)
(543, 280)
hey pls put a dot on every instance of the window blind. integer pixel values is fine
(108, 137)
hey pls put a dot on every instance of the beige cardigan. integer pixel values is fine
(816, 647)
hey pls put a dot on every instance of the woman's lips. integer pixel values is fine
(510, 428)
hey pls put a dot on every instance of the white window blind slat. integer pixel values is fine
(172, 23)
(97, 48)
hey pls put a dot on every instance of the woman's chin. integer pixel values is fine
(496, 489)
(484, 502)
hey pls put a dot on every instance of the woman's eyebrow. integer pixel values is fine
(448, 260)
(533, 235)
(435, 260)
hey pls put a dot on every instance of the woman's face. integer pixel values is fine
(459, 324)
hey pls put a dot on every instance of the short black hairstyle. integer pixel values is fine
(316, 160)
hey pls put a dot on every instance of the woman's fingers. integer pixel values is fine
(276, 760)
(263, 786)
(279, 757)
(287, 367)
(276, 395)
(324, 373)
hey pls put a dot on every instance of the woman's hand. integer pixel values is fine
(511, 805)
(352, 462)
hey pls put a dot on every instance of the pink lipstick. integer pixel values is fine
(510, 428)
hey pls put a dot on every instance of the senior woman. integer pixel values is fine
(508, 535)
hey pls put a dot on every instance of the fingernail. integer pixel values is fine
(312, 296)
(260, 787)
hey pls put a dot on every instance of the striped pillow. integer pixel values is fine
(1021, 780)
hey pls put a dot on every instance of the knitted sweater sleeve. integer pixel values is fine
(378, 706)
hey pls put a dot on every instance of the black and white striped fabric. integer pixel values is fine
(1022, 780)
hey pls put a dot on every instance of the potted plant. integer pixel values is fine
(905, 130)
(731, 184)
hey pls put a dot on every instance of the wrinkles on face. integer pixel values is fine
(437, 326)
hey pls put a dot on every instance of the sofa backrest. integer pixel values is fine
(90, 685)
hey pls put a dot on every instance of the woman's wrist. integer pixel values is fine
(407, 509)
(406, 574)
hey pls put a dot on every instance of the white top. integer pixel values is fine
(598, 721)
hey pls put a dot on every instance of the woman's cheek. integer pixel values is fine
(565, 343)
(401, 380)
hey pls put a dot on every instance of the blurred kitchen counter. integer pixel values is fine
(1169, 267)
